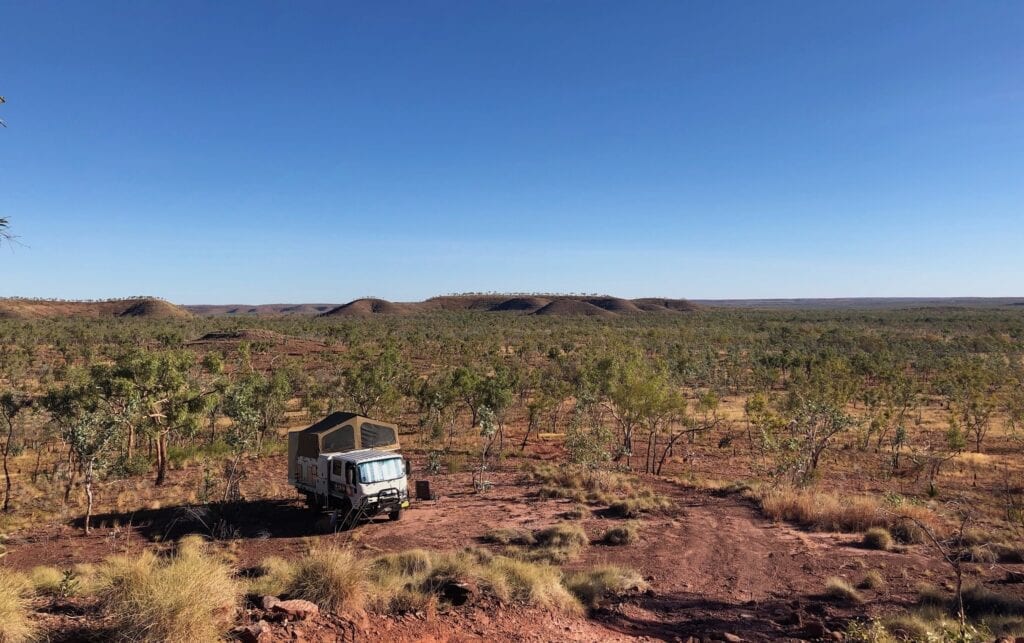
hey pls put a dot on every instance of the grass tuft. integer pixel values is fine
(838, 589)
(187, 597)
(872, 580)
(593, 586)
(332, 577)
(877, 538)
(620, 535)
(15, 608)
(46, 581)
(824, 511)
(275, 577)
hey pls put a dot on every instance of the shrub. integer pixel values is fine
(189, 596)
(839, 589)
(620, 535)
(877, 538)
(872, 580)
(125, 467)
(593, 586)
(15, 600)
(332, 577)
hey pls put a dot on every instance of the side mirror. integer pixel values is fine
(408, 466)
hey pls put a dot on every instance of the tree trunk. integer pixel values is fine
(35, 469)
(88, 496)
(161, 459)
(7, 473)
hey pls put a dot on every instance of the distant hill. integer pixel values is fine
(596, 306)
(569, 305)
(864, 303)
(366, 307)
(211, 310)
(148, 307)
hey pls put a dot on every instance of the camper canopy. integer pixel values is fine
(344, 432)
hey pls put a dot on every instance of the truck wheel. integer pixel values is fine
(395, 515)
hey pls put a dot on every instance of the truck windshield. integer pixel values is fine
(381, 470)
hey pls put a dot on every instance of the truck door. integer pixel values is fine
(323, 476)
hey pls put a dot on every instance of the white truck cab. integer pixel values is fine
(374, 480)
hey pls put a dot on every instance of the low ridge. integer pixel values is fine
(147, 307)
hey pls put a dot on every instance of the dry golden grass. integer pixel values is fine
(838, 589)
(15, 608)
(332, 577)
(188, 597)
(45, 580)
(872, 580)
(276, 575)
(620, 535)
(634, 505)
(594, 585)
(417, 579)
(877, 538)
(825, 511)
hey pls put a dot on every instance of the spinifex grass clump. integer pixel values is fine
(15, 607)
(332, 577)
(644, 502)
(620, 535)
(817, 509)
(620, 492)
(416, 579)
(877, 538)
(190, 596)
(840, 590)
(594, 585)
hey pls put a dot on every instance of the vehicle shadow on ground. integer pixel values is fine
(242, 519)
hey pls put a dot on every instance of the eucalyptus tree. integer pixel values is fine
(374, 385)
(13, 407)
(971, 386)
(166, 392)
(88, 429)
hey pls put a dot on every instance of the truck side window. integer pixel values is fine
(336, 468)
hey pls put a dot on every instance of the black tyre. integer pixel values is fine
(395, 515)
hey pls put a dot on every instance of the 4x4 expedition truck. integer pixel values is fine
(350, 465)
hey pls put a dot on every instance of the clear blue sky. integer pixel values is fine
(215, 152)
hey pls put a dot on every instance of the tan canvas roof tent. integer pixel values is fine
(339, 432)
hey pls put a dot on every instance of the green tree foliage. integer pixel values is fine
(88, 428)
(373, 384)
